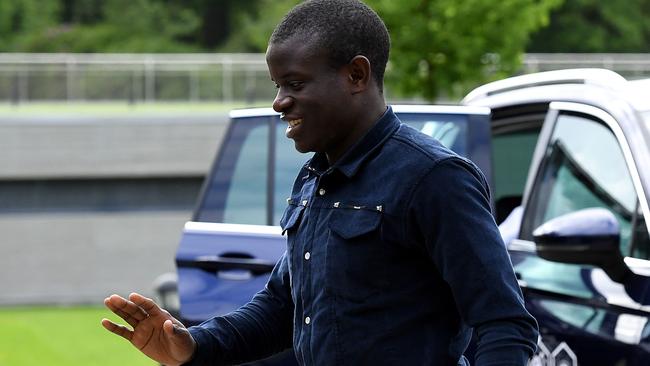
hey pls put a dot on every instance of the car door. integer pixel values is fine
(232, 243)
(583, 160)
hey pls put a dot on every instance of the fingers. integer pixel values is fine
(146, 304)
(127, 317)
(127, 310)
(120, 330)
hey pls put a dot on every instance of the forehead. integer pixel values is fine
(295, 54)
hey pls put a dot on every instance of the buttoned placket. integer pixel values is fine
(317, 213)
(306, 259)
(306, 285)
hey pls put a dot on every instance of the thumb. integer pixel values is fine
(172, 330)
(182, 345)
(179, 336)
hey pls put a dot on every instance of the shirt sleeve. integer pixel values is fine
(451, 210)
(256, 330)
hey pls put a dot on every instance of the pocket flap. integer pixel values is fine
(291, 217)
(350, 223)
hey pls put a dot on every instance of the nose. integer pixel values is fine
(281, 102)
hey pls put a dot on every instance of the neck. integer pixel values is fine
(368, 113)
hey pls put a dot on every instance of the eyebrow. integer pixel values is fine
(290, 75)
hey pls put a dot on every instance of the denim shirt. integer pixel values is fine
(392, 258)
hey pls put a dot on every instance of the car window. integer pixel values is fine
(512, 153)
(287, 164)
(236, 191)
(449, 129)
(247, 192)
(585, 168)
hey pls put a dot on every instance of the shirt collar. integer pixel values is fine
(351, 161)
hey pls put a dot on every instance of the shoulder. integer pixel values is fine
(417, 144)
(431, 163)
(425, 151)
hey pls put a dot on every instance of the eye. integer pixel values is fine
(296, 85)
(276, 85)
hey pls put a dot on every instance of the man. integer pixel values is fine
(392, 253)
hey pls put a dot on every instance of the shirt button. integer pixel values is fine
(307, 320)
(307, 256)
(321, 191)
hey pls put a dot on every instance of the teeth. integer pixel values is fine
(295, 122)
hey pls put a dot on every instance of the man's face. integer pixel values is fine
(313, 98)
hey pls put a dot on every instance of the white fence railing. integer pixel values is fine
(134, 77)
(138, 78)
(630, 65)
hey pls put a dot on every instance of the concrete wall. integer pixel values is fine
(96, 146)
(81, 257)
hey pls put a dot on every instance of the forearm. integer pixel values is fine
(466, 248)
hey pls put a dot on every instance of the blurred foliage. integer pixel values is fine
(25, 16)
(439, 46)
(253, 28)
(450, 46)
(116, 25)
(95, 26)
(442, 46)
(596, 26)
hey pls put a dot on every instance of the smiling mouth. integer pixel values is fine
(295, 122)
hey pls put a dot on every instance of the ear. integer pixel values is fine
(359, 74)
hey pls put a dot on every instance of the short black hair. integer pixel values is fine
(343, 28)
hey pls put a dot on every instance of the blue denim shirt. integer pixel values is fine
(392, 258)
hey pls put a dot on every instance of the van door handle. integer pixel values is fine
(216, 264)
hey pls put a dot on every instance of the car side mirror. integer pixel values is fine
(589, 236)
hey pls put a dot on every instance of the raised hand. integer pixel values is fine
(154, 331)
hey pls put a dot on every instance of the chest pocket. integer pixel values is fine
(289, 222)
(356, 255)
(350, 223)
(291, 218)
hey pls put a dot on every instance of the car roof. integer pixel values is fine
(397, 108)
(565, 84)
(638, 91)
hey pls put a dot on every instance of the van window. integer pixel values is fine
(512, 153)
(236, 191)
(288, 162)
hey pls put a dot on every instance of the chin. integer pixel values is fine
(301, 148)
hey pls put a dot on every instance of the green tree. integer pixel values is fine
(111, 26)
(21, 16)
(441, 46)
(596, 26)
(254, 27)
(449, 46)
(117, 25)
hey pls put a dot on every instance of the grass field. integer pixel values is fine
(56, 336)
